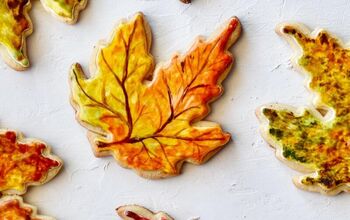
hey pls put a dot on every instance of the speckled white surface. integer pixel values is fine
(244, 181)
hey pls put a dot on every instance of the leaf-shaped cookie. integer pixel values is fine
(186, 1)
(13, 208)
(135, 212)
(315, 140)
(66, 10)
(153, 126)
(15, 26)
(24, 162)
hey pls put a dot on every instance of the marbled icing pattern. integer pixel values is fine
(23, 163)
(12, 208)
(313, 142)
(65, 8)
(14, 23)
(147, 126)
(15, 26)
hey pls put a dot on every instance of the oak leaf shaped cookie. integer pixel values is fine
(153, 126)
(13, 208)
(15, 26)
(315, 140)
(135, 212)
(24, 162)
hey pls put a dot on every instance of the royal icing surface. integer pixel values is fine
(319, 143)
(148, 126)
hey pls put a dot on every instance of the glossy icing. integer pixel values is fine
(148, 126)
(14, 26)
(316, 142)
(135, 216)
(12, 208)
(66, 9)
(23, 163)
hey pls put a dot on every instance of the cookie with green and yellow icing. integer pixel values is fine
(15, 26)
(316, 139)
(66, 10)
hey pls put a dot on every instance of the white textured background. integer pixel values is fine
(244, 181)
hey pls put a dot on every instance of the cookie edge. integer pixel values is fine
(5, 54)
(91, 134)
(75, 12)
(47, 153)
(141, 210)
(316, 103)
(22, 204)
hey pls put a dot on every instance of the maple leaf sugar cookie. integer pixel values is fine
(315, 140)
(13, 208)
(152, 122)
(135, 212)
(15, 26)
(24, 162)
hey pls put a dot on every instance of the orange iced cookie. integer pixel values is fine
(13, 208)
(24, 162)
(150, 119)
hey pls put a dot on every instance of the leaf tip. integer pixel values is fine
(139, 14)
(295, 33)
(76, 71)
(231, 32)
(227, 137)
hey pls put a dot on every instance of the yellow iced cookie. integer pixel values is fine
(15, 26)
(315, 140)
(66, 10)
(149, 120)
